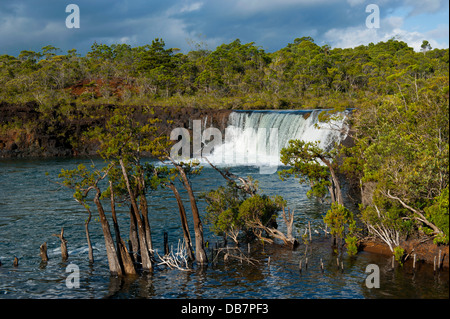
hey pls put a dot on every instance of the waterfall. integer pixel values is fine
(256, 137)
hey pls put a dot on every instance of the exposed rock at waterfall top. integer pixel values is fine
(29, 130)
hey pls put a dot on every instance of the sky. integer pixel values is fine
(189, 24)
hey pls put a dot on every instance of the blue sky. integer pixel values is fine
(271, 24)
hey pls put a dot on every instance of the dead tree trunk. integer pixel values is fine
(124, 257)
(335, 188)
(145, 256)
(258, 228)
(86, 227)
(127, 261)
(184, 223)
(64, 253)
(114, 265)
(200, 253)
(166, 244)
(88, 237)
(134, 239)
(289, 221)
(43, 252)
(144, 210)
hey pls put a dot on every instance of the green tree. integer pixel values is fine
(123, 142)
(223, 210)
(311, 164)
(402, 147)
(425, 47)
(259, 214)
(83, 181)
(233, 210)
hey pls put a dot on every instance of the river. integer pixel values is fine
(33, 207)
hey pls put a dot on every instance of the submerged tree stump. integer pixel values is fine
(64, 253)
(43, 252)
(166, 244)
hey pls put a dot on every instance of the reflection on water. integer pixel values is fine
(32, 208)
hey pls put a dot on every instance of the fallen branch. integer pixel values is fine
(247, 185)
(272, 232)
(177, 260)
(227, 254)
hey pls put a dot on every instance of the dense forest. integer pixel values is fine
(234, 75)
(399, 126)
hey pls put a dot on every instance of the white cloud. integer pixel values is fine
(393, 22)
(192, 7)
(166, 26)
(424, 6)
(392, 28)
(440, 32)
(269, 23)
(353, 3)
(184, 7)
(350, 37)
(415, 39)
(257, 6)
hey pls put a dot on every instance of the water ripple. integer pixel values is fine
(32, 209)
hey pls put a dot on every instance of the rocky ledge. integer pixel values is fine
(26, 131)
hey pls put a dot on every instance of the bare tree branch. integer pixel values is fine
(420, 217)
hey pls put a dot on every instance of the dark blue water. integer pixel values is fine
(33, 207)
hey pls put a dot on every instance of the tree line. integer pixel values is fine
(234, 75)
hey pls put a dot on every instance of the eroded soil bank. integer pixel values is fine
(426, 251)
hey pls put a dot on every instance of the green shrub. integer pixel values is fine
(352, 245)
(398, 254)
(339, 219)
(336, 218)
(437, 213)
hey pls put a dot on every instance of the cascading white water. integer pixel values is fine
(256, 137)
